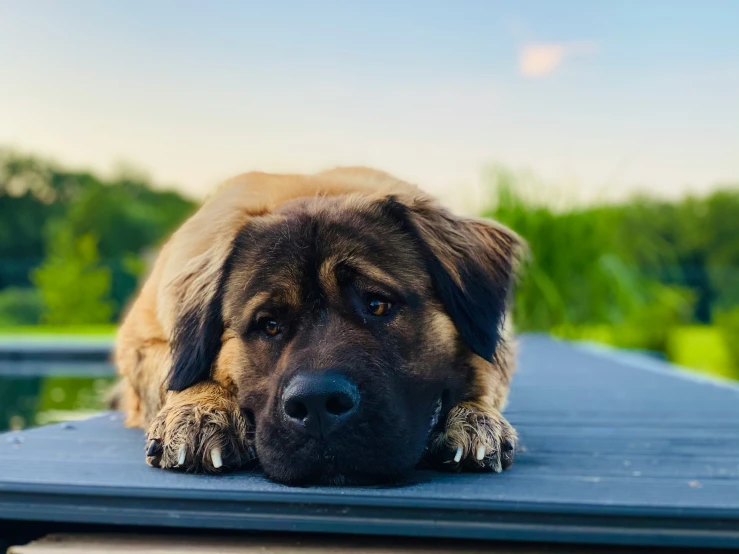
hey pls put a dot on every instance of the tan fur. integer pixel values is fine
(186, 276)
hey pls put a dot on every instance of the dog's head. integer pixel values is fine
(349, 325)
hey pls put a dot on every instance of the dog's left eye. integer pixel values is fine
(379, 307)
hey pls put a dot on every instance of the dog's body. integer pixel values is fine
(339, 327)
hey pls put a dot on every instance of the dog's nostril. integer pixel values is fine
(295, 409)
(338, 404)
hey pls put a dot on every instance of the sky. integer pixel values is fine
(598, 99)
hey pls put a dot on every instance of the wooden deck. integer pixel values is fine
(616, 449)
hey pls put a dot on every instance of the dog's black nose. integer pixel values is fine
(320, 402)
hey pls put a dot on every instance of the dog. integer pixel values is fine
(338, 328)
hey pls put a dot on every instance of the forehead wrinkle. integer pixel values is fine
(369, 248)
(253, 303)
(367, 269)
(374, 242)
(282, 296)
(327, 276)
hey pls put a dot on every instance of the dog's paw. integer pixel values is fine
(200, 430)
(474, 439)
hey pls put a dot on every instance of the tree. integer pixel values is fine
(40, 200)
(74, 287)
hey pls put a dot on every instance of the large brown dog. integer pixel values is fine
(339, 328)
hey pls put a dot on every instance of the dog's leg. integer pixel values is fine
(143, 365)
(476, 436)
(200, 429)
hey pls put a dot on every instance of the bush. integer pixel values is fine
(20, 306)
(580, 271)
(74, 288)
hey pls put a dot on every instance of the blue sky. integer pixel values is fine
(600, 99)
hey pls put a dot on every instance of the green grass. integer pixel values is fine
(703, 348)
(105, 330)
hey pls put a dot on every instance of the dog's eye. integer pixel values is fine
(270, 327)
(379, 307)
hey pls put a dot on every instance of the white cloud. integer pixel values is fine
(539, 59)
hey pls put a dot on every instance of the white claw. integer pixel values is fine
(181, 454)
(215, 456)
(480, 453)
(458, 455)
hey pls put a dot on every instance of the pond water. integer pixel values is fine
(37, 393)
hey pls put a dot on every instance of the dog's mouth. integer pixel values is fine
(324, 463)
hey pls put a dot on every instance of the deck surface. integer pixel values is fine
(613, 451)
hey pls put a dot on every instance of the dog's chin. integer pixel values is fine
(328, 474)
(321, 467)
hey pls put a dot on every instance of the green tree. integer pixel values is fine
(129, 217)
(74, 287)
(127, 214)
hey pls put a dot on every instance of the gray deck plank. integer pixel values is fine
(610, 453)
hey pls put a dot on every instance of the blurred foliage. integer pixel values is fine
(20, 306)
(586, 265)
(699, 242)
(66, 332)
(40, 200)
(626, 274)
(702, 347)
(74, 287)
(728, 324)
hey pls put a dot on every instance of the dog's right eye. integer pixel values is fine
(271, 327)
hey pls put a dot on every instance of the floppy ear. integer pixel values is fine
(198, 325)
(472, 264)
(196, 264)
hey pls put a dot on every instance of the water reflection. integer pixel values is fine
(34, 396)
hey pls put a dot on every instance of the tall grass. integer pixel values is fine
(585, 269)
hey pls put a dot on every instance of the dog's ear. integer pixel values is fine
(195, 268)
(198, 326)
(472, 264)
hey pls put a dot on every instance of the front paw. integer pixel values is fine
(474, 439)
(200, 430)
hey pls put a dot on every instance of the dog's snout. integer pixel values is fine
(320, 402)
